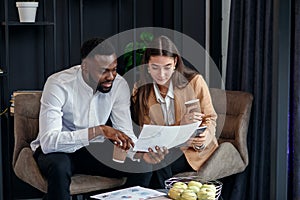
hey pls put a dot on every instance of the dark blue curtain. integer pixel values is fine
(294, 133)
(249, 68)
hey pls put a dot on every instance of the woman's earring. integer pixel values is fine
(83, 65)
(83, 69)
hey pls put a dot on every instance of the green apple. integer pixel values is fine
(207, 192)
(188, 195)
(205, 197)
(203, 193)
(195, 183)
(175, 192)
(180, 185)
(209, 187)
(194, 188)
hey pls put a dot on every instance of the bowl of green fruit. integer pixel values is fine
(192, 188)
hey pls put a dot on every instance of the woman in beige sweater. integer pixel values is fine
(159, 98)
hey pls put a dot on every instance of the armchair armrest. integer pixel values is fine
(225, 161)
(26, 169)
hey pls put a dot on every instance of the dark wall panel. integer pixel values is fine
(193, 20)
(125, 18)
(99, 18)
(67, 43)
(145, 13)
(168, 13)
(215, 29)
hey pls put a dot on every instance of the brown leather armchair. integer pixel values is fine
(231, 157)
(26, 123)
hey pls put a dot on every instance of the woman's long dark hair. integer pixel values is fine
(161, 46)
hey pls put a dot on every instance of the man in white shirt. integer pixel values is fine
(75, 106)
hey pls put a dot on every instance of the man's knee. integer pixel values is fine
(141, 179)
(60, 169)
(56, 165)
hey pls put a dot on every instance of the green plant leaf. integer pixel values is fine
(129, 47)
(138, 58)
(128, 64)
(140, 46)
(127, 55)
(146, 37)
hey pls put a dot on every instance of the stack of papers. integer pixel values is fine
(164, 136)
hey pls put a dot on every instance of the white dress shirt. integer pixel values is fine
(167, 103)
(69, 107)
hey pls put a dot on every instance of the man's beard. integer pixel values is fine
(102, 89)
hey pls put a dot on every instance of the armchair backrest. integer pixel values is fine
(26, 120)
(233, 118)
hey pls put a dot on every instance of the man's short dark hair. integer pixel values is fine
(95, 46)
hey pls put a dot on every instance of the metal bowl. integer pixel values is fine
(170, 182)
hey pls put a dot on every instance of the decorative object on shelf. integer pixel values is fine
(140, 46)
(27, 10)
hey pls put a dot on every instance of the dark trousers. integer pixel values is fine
(175, 162)
(58, 169)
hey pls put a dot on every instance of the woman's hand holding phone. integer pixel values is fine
(197, 142)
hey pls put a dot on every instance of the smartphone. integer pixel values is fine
(200, 130)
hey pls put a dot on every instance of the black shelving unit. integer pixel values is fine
(45, 25)
(32, 45)
(16, 23)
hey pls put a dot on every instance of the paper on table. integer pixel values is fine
(133, 193)
(164, 136)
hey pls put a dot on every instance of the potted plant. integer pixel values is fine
(137, 48)
(27, 10)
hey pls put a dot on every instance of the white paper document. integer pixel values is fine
(164, 136)
(132, 193)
